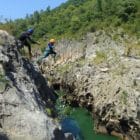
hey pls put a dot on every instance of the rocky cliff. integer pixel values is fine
(102, 73)
(24, 95)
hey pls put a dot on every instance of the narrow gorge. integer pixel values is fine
(101, 72)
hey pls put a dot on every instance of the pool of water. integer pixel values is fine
(79, 122)
(85, 122)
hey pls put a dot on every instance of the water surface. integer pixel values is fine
(79, 122)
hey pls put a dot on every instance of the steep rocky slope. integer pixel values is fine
(24, 95)
(102, 73)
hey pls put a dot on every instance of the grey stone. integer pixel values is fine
(24, 98)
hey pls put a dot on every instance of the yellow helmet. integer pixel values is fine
(52, 40)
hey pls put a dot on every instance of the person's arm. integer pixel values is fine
(53, 50)
(35, 42)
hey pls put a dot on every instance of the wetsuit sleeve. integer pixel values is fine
(31, 40)
(51, 48)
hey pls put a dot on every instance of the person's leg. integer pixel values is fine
(54, 55)
(26, 43)
(46, 54)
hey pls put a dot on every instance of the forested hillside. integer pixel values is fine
(76, 17)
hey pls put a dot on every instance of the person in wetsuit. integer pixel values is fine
(48, 51)
(25, 39)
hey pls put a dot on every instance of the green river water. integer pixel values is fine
(84, 120)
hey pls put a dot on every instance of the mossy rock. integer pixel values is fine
(132, 49)
(48, 111)
(101, 57)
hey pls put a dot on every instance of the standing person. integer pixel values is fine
(26, 39)
(49, 50)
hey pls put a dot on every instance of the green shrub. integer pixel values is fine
(132, 49)
(48, 111)
(100, 57)
(124, 97)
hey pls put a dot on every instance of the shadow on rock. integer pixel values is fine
(39, 81)
(58, 135)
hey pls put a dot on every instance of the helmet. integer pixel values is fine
(52, 40)
(30, 31)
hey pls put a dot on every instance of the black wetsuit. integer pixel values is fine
(25, 40)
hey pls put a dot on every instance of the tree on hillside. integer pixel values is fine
(99, 5)
(36, 17)
(127, 9)
(75, 23)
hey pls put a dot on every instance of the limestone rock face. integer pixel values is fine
(103, 79)
(24, 94)
(5, 39)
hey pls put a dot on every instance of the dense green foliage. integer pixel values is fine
(76, 17)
